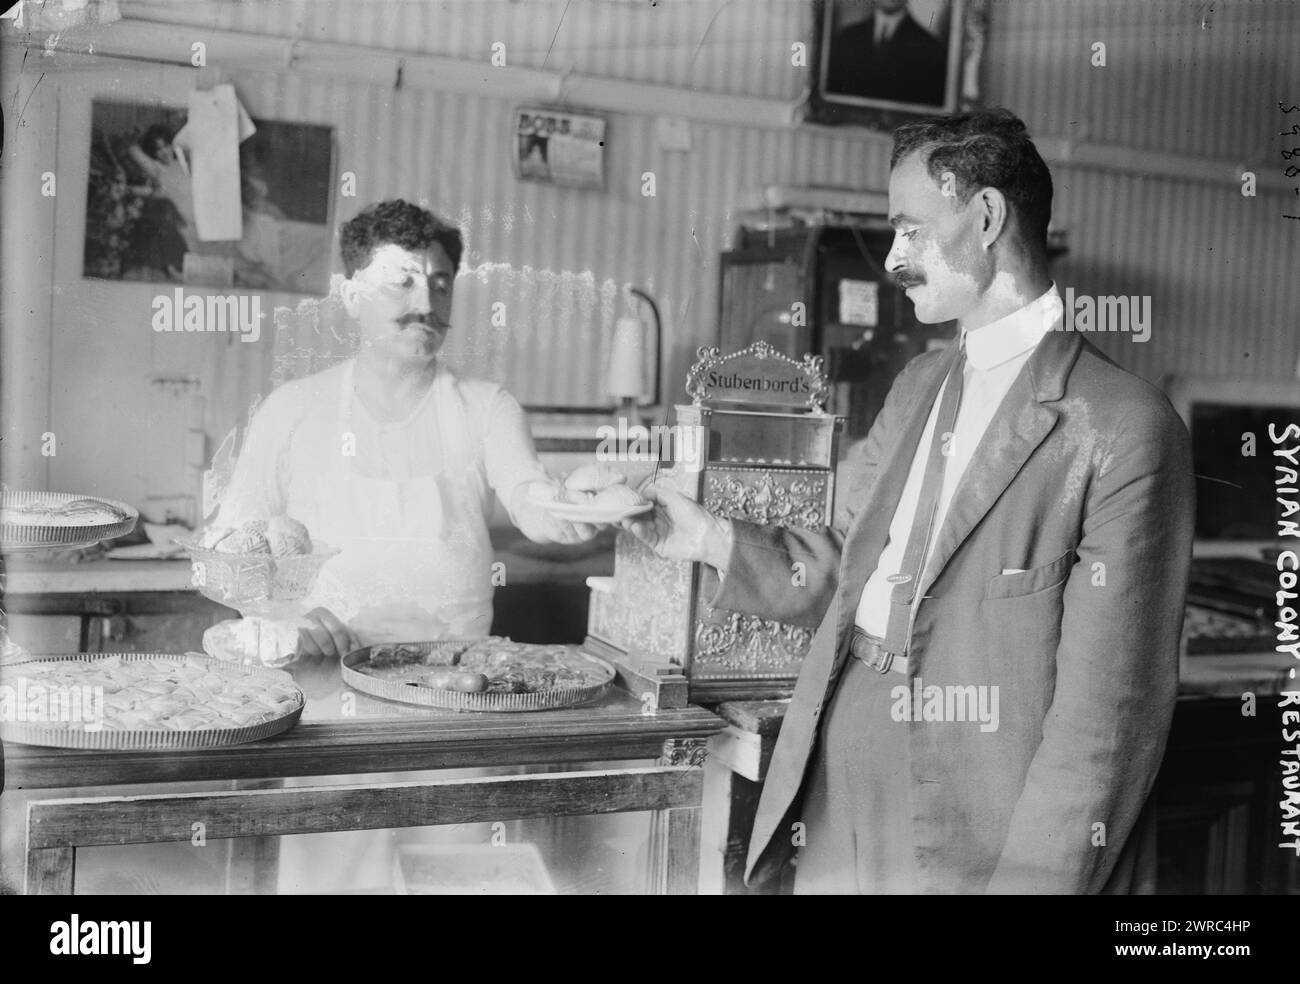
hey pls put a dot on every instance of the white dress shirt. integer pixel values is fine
(995, 354)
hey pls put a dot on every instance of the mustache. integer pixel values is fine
(905, 280)
(425, 320)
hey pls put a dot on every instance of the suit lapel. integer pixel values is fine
(866, 538)
(1019, 426)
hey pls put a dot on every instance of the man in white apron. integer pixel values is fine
(392, 458)
(396, 461)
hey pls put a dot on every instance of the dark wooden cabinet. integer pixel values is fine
(1218, 802)
(823, 289)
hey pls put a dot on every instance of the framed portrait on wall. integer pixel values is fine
(140, 206)
(882, 62)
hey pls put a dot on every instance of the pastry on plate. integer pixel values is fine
(617, 496)
(52, 512)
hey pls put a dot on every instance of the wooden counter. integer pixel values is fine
(378, 737)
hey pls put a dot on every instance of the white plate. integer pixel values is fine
(588, 513)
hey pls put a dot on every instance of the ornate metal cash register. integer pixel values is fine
(755, 443)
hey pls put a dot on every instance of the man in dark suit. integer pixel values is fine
(986, 701)
(888, 56)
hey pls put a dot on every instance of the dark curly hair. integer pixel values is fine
(985, 149)
(154, 135)
(400, 223)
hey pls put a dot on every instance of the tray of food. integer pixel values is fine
(492, 674)
(264, 560)
(44, 520)
(143, 701)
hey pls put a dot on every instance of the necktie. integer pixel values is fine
(907, 580)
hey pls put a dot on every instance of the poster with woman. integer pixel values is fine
(140, 215)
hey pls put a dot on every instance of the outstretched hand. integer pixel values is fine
(681, 529)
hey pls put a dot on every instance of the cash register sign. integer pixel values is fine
(758, 376)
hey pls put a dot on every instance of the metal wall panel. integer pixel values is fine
(1219, 266)
(731, 46)
(1180, 77)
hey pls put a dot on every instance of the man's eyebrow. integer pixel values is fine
(900, 218)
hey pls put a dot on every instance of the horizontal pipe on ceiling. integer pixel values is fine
(232, 50)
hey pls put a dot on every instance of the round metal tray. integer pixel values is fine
(144, 739)
(23, 536)
(406, 693)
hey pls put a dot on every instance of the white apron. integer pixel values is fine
(415, 565)
(416, 560)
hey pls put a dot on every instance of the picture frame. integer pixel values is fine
(560, 147)
(139, 216)
(881, 63)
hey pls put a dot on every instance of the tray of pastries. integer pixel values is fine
(492, 674)
(42, 520)
(143, 701)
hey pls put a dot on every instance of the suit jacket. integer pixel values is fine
(1083, 484)
(910, 67)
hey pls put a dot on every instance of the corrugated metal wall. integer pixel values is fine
(1183, 77)
(557, 259)
(731, 46)
(1220, 270)
(1220, 267)
(1188, 77)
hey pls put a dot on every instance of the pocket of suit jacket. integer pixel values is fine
(1028, 582)
(1017, 635)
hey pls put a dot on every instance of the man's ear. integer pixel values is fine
(993, 215)
(350, 295)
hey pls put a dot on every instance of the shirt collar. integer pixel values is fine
(999, 341)
(887, 24)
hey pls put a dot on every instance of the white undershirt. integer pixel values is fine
(995, 355)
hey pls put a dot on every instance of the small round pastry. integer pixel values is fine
(439, 678)
(618, 496)
(593, 478)
(468, 682)
(578, 497)
(248, 539)
(287, 537)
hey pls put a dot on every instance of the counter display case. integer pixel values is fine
(755, 444)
